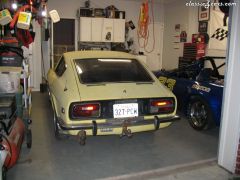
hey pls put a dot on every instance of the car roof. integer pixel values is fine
(97, 54)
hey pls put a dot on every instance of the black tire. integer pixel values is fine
(55, 126)
(4, 173)
(29, 138)
(55, 122)
(49, 95)
(199, 114)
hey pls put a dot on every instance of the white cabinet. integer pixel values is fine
(85, 29)
(96, 31)
(119, 30)
(107, 31)
(102, 30)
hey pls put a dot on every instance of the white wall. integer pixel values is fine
(68, 9)
(46, 57)
(178, 13)
(174, 13)
(35, 64)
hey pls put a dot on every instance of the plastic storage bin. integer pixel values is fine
(9, 82)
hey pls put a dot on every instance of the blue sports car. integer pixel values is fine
(198, 89)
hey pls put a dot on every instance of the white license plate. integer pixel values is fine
(125, 110)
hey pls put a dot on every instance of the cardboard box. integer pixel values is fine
(5, 17)
(24, 20)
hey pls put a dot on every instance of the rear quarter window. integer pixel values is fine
(61, 67)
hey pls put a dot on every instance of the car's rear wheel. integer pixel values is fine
(55, 123)
(199, 114)
(55, 126)
(49, 95)
(29, 138)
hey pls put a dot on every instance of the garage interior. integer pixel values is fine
(109, 156)
(175, 152)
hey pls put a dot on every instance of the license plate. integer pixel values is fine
(125, 110)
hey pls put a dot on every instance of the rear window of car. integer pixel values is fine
(111, 70)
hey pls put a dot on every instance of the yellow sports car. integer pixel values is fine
(107, 92)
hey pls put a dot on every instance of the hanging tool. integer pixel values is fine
(143, 26)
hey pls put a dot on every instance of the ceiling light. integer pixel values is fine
(44, 13)
(14, 5)
(44, 10)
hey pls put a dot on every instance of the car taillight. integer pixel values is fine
(86, 110)
(162, 106)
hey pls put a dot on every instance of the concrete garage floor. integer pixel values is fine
(109, 156)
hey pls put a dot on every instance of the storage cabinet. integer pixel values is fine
(119, 30)
(96, 29)
(102, 30)
(85, 29)
(107, 32)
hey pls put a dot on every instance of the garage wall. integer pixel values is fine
(34, 55)
(178, 13)
(174, 13)
(68, 9)
(35, 58)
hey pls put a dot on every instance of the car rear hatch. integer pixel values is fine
(108, 84)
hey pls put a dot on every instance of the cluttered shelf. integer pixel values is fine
(16, 35)
(14, 78)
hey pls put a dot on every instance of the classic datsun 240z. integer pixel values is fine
(199, 90)
(104, 93)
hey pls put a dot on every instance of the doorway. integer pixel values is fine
(63, 38)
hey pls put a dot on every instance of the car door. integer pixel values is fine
(181, 90)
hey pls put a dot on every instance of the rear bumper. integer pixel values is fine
(94, 126)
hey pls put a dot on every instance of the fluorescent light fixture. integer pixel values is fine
(79, 70)
(14, 5)
(115, 60)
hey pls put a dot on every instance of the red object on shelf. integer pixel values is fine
(198, 38)
(194, 50)
(10, 41)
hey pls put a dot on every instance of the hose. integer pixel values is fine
(143, 27)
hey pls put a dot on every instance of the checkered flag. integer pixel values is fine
(220, 34)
